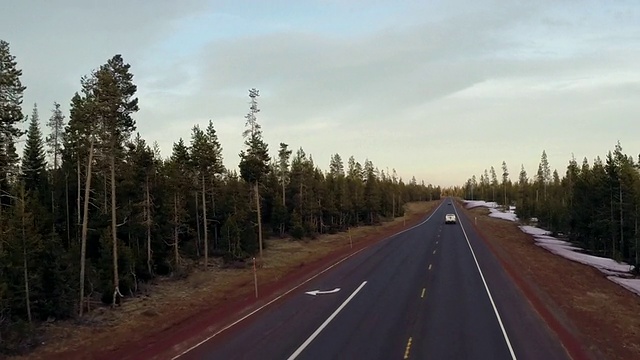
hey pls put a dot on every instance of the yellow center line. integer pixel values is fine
(406, 351)
(429, 266)
(424, 290)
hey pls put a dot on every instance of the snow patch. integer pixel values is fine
(613, 269)
(503, 215)
(617, 272)
(629, 284)
(493, 211)
(470, 204)
(532, 230)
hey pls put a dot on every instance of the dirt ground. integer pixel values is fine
(176, 310)
(601, 315)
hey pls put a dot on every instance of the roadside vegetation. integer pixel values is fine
(91, 213)
(595, 204)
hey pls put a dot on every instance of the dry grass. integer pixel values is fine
(168, 299)
(603, 314)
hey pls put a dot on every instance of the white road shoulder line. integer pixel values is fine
(493, 304)
(325, 323)
(297, 286)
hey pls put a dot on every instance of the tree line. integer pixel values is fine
(597, 204)
(91, 210)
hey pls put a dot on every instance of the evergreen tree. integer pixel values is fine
(112, 92)
(11, 92)
(33, 159)
(206, 154)
(494, 183)
(54, 140)
(283, 172)
(505, 178)
(254, 161)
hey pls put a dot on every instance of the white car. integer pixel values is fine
(450, 219)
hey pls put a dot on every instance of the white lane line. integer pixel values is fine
(493, 304)
(325, 323)
(297, 286)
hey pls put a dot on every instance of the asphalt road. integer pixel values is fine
(434, 291)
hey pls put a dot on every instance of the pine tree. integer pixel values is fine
(175, 169)
(11, 92)
(283, 172)
(33, 160)
(505, 178)
(206, 154)
(114, 96)
(54, 140)
(494, 183)
(254, 161)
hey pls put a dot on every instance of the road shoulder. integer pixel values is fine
(578, 303)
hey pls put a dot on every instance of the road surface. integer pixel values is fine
(434, 291)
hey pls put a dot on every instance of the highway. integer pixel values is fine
(434, 291)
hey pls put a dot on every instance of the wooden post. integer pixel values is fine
(255, 276)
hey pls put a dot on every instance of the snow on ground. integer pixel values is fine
(493, 211)
(629, 284)
(475, 203)
(616, 271)
(511, 216)
(571, 252)
(607, 266)
(532, 230)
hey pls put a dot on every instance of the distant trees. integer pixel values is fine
(596, 204)
(104, 212)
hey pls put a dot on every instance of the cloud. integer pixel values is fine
(439, 89)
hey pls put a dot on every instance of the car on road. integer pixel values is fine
(450, 219)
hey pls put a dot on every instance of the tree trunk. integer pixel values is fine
(1, 227)
(24, 257)
(53, 210)
(197, 226)
(213, 212)
(148, 221)
(259, 219)
(204, 222)
(79, 191)
(621, 224)
(175, 229)
(393, 206)
(104, 180)
(83, 247)
(636, 235)
(66, 196)
(284, 203)
(301, 202)
(505, 196)
(612, 225)
(114, 236)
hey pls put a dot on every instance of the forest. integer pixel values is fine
(90, 209)
(595, 204)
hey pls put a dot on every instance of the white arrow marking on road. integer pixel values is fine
(320, 292)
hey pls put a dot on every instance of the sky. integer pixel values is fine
(439, 89)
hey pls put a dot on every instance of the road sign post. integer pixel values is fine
(255, 276)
